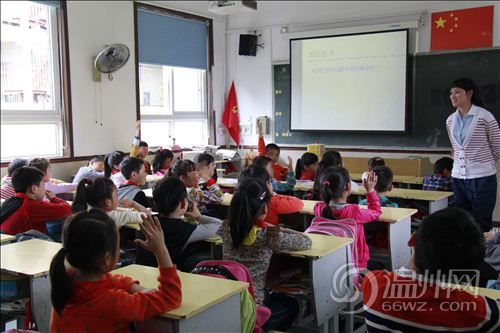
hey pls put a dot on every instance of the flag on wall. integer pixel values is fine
(462, 29)
(231, 117)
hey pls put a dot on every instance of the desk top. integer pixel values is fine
(491, 293)
(148, 192)
(198, 292)
(322, 245)
(153, 178)
(4, 238)
(397, 179)
(389, 214)
(31, 257)
(403, 193)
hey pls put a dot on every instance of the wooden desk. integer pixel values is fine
(6, 239)
(32, 258)
(410, 180)
(437, 200)
(233, 182)
(208, 304)
(487, 292)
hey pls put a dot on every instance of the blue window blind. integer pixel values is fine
(53, 3)
(171, 41)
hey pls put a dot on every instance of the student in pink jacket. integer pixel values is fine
(334, 190)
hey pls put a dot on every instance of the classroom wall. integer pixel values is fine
(104, 112)
(253, 75)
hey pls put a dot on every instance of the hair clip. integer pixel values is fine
(326, 183)
(262, 196)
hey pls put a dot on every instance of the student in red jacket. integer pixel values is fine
(448, 248)
(27, 210)
(86, 297)
(279, 204)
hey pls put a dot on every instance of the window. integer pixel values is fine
(172, 77)
(33, 121)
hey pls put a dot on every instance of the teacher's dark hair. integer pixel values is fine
(469, 85)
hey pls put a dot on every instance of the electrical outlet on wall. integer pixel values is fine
(246, 129)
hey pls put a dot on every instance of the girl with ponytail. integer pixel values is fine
(306, 166)
(102, 194)
(112, 167)
(162, 162)
(250, 240)
(85, 296)
(335, 187)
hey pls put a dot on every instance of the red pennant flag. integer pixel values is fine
(462, 29)
(231, 116)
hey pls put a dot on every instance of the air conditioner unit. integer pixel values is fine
(226, 7)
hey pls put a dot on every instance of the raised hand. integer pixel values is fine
(370, 182)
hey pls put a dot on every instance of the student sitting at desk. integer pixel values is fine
(27, 209)
(306, 166)
(441, 179)
(186, 171)
(171, 200)
(205, 164)
(448, 248)
(272, 151)
(329, 159)
(86, 297)
(372, 163)
(132, 169)
(102, 194)
(51, 184)
(162, 162)
(7, 189)
(266, 163)
(279, 204)
(140, 148)
(112, 167)
(384, 185)
(94, 170)
(251, 241)
(335, 189)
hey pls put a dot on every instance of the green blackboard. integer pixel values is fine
(430, 77)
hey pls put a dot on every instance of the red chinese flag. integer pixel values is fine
(231, 116)
(462, 29)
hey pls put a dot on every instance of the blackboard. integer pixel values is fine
(429, 106)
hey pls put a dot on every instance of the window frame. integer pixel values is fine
(206, 115)
(61, 115)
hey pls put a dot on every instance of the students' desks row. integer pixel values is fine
(399, 220)
(204, 299)
(436, 200)
(410, 180)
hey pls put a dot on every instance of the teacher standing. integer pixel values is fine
(475, 139)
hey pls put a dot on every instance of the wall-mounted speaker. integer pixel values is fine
(248, 45)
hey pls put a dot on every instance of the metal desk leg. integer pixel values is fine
(324, 286)
(399, 234)
(40, 302)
